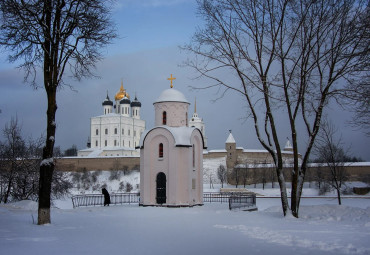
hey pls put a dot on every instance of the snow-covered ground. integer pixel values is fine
(323, 228)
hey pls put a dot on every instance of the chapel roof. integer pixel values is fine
(171, 95)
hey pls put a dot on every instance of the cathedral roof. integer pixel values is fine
(107, 101)
(125, 100)
(171, 95)
(135, 103)
(121, 93)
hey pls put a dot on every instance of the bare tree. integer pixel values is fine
(287, 55)
(12, 152)
(20, 163)
(47, 36)
(222, 174)
(330, 153)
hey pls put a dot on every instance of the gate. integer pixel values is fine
(161, 188)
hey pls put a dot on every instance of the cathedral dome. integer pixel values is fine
(125, 100)
(135, 103)
(107, 101)
(121, 94)
(171, 95)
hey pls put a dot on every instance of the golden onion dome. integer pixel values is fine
(121, 93)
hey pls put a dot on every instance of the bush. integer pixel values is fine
(121, 186)
(115, 175)
(129, 187)
(324, 188)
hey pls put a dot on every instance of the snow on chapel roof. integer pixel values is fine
(171, 95)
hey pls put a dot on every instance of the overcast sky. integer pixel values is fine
(144, 56)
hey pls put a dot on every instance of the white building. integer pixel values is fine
(197, 122)
(117, 132)
(171, 156)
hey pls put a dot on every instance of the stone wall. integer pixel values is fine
(76, 164)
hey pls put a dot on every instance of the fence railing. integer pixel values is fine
(98, 199)
(243, 202)
(132, 198)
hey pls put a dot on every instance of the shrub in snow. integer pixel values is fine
(115, 175)
(76, 177)
(129, 187)
(324, 188)
(121, 186)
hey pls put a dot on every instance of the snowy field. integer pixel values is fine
(324, 228)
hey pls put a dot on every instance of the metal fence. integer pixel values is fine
(243, 202)
(98, 199)
(132, 198)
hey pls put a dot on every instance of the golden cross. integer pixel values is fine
(171, 79)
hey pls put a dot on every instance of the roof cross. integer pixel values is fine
(171, 79)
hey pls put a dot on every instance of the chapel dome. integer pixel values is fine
(135, 103)
(121, 94)
(125, 100)
(171, 95)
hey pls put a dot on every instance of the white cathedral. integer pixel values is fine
(117, 132)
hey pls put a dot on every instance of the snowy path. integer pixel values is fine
(324, 228)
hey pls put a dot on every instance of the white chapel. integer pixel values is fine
(117, 131)
(171, 155)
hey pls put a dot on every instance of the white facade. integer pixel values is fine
(117, 132)
(171, 156)
(197, 122)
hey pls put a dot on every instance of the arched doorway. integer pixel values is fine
(161, 188)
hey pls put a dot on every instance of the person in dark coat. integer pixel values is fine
(106, 196)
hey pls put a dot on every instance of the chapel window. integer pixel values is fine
(160, 150)
(115, 131)
(164, 118)
(97, 131)
(106, 143)
(106, 131)
(96, 143)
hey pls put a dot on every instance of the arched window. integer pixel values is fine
(186, 117)
(96, 143)
(160, 154)
(106, 143)
(97, 131)
(106, 131)
(115, 131)
(164, 118)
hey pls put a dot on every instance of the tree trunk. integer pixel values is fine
(47, 164)
(339, 198)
